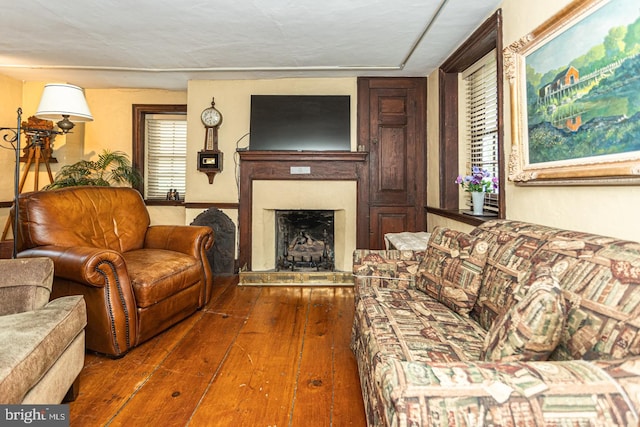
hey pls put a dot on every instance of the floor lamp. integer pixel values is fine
(59, 101)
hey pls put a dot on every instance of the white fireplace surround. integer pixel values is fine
(272, 195)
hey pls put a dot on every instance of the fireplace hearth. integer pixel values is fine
(305, 240)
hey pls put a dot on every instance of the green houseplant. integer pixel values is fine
(111, 167)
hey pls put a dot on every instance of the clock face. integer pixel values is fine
(211, 117)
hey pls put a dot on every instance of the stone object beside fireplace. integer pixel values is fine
(221, 255)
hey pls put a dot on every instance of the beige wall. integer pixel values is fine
(112, 116)
(608, 210)
(233, 99)
(604, 210)
(110, 129)
(11, 91)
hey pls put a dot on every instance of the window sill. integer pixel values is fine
(192, 205)
(164, 202)
(460, 216)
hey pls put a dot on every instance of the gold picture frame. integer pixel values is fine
(558, 114)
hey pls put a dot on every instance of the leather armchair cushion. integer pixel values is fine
(157, 274)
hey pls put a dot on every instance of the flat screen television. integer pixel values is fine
(300, 122)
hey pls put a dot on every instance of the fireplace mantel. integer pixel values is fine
(298, 165)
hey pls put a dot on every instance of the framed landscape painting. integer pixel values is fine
(575, 97)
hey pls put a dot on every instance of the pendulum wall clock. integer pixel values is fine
(210, 158)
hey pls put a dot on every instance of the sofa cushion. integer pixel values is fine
(37, 338)
(451, 271)
(406, 324)
(548, 394)
(512, 245)
(394, 268)
(409, 325)
(531, 329)
(600, 279)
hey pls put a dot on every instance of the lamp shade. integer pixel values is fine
(60, 100)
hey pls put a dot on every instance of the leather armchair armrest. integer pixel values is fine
(188, 239)
(101, 276)
(79, 263)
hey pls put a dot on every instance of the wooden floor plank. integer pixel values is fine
(255, 356)
(348, 409)
(234, 301)
(254, 386)
(107, 384)
(314, 396)
(220, 285)
(170, 396)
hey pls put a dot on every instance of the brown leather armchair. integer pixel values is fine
(137, 280)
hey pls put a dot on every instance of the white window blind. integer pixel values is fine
(166, 157)
(481, 82)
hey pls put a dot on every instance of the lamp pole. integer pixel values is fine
(16, 189)
(13, 137)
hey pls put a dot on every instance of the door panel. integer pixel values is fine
(392, 128)
(389, 220)
(392, 164)
(389, 157)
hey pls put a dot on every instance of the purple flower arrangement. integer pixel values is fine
(479, 181)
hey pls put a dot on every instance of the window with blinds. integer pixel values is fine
(481, 113)
(166, 157)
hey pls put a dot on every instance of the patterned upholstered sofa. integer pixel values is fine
(513, 324)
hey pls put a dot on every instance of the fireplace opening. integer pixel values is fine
(305, 240)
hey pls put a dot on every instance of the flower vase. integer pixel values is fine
(477, 198)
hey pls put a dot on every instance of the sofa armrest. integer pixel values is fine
(33, 344)
(386, 268)
(25, 284)
(188, 239)
(602, 392)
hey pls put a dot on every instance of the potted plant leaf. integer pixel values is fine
(111, 167)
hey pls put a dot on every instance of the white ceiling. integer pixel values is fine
(165, 43)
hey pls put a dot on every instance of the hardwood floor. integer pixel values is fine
(255, 356)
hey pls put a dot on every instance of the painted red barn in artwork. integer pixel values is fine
(564, 79)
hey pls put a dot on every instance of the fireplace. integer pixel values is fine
(270, 198)
(273, 181)
(304, 240)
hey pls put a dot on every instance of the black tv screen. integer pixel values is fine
(300, 122)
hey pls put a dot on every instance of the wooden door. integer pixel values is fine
(392, 128)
